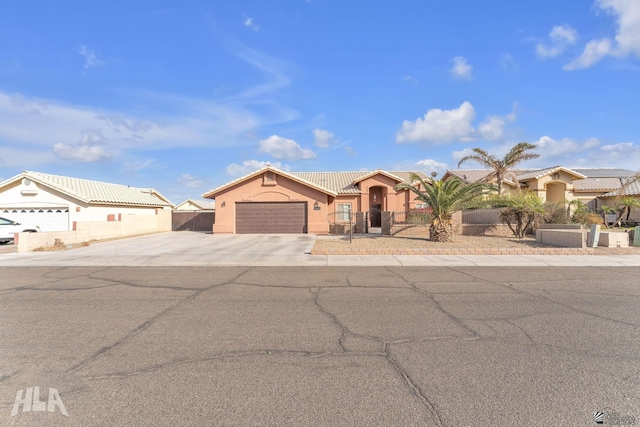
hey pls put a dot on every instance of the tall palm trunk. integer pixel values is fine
(441, 231)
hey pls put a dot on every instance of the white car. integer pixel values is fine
(9, 227)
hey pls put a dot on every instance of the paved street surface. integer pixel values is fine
(451, 345)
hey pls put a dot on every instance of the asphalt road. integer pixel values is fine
(320, 346)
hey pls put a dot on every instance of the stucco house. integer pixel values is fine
(56, 202)
(557, 184)
(271, 200)
(196, 205)
(631, 189)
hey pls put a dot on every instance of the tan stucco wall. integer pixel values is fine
(613, 203)
(392, 200)
(285, 190)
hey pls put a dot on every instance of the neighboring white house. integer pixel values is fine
(196, 205)
(55, 202)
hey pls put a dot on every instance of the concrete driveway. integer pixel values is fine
(181, 248)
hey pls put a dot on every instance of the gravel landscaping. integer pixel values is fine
(468, 244)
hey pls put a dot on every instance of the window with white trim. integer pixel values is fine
(343, 212)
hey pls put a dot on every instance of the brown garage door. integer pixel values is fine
(271, 218)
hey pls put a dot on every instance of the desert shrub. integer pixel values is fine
(556, 213)
(523, 209)
(587, 218)
(419, 216)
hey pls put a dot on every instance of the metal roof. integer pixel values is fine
(631, 189)
(96, 192)
(604, 172)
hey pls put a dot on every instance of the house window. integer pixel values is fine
(422, 205)
(344, 212)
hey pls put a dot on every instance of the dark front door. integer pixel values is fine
(375, 215)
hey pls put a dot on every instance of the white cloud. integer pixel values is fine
(350, 151)
(623, 146)
(461, 69)
(192, 122)
(430, 165)
(90, 58)
(440, 126)
(249, 23)
(593, 52)
(92, 136)
(492, 128)
(563, 34)
(190, 181)
(323, 138)
(549, 147)
(455, 125)
(507, 62)
(410, 79)
(283, 148)
(140, 165)
(459, 154)
(591, 143)
(81, 153)
(561, 37)
(627, 38)
(249, 166)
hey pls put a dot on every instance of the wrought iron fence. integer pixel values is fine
(412, 217)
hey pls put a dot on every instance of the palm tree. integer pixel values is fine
(501, 167)
(445, 198)
(625, 205)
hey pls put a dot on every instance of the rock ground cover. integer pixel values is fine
(481, 243)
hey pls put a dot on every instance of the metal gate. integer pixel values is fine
(192, 221)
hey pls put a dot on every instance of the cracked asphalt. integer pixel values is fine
(450, 345)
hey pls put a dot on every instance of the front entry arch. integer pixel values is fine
(376, 205)
(556, 192)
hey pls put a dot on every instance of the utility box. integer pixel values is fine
(614, 239)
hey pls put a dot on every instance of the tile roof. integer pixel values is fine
(539, 173)
(97, 192)
(211, 193)
(202, 204)
(331, 182)
(343, 182)
(470, 175)
(596, 184)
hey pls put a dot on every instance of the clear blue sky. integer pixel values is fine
(184, 96)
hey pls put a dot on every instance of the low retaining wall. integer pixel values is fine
(575, 238)
(562, 238)
(456, 251)
(84, 232)
(500, 230)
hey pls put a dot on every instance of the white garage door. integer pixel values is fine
(48, 219)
